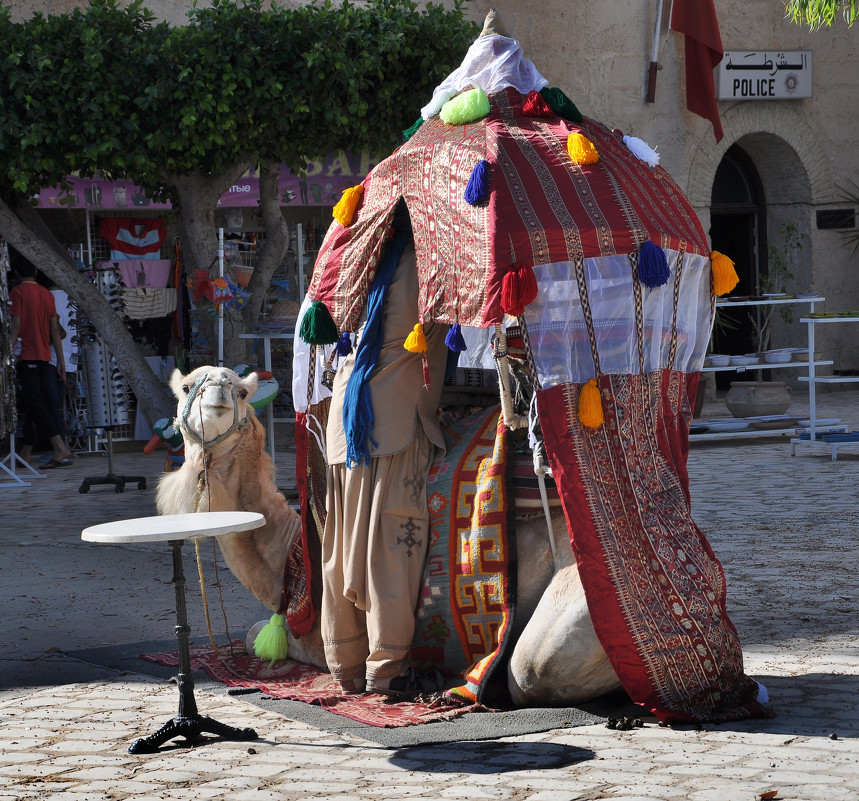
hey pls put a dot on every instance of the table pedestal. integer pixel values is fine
(187, 723)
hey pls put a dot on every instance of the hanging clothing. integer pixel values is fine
(132, 238)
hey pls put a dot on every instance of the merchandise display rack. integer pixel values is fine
(815, 437)
(808, 362)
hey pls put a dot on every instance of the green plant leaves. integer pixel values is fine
(107, 88)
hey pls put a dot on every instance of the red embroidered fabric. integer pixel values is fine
(542, 209)
(655, 589)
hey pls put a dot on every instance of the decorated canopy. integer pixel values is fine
(542, 208)
(522, 206)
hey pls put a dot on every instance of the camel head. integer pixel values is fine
(213, 403)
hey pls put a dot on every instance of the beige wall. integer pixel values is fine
(598, 53)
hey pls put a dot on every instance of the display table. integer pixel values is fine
(174, 530)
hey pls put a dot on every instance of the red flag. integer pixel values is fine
(696, 19)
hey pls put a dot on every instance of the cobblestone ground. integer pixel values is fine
(785, 529)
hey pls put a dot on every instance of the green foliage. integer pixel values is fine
(780, 266)
(68, 84)
(818, 13)
(108, 89)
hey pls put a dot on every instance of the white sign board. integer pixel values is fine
(764, 75)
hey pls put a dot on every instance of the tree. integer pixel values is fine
(185, 111)
(65, 97)
(817, 13)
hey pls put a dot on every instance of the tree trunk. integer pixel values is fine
(198, 198)
(28, 234)
(273, 249)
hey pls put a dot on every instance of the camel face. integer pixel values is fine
(216, 403)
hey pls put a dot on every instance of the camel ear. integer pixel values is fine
(250, 383)
(176, 384)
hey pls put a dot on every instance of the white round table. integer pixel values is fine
(175, 529)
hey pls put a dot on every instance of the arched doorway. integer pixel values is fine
(738, 229)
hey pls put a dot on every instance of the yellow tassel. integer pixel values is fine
(590, 405)
(344, 211)
(581, 149)
(416, 342)
(725, 277)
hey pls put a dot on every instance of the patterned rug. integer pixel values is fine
(296, 682)
(467, 602)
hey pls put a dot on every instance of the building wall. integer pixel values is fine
(598, 53)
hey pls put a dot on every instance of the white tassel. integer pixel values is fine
(641, 150)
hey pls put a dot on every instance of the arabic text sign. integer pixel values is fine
(764, 75)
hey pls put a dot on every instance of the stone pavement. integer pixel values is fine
(785, 529)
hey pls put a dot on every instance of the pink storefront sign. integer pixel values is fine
(322, 185)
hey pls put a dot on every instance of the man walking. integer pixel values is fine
(34, 319)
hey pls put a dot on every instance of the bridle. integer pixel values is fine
(188, 432)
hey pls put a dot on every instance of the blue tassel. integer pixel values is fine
(477, 190)
(454, 339)
(344, 345)
(652, 265)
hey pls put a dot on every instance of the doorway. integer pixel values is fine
(738, 229)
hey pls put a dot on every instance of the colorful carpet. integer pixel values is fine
(467, 603)
(296, 682)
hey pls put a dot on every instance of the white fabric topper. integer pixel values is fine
(492, 63)
(559, 336)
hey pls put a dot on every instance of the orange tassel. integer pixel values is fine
(344, 211)
(416, 342)
(725, 277)
(581, 149)
(590, 405)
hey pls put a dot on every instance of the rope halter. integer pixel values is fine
(237, 425)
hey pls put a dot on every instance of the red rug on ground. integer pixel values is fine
(297, 682)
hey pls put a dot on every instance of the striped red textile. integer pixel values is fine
(542, 209)
(655, 589)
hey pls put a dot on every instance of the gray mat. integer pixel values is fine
(470, 726)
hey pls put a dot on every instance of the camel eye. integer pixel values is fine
(243, 393)
(186, 389)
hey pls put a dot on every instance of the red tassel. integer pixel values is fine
(518, 289)
(535, 105)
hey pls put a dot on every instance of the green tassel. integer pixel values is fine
(561, 104)
(271, 642)
(410, 132)
(318, 326)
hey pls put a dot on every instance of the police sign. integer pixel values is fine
(764, 75)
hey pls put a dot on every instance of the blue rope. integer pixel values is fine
(358, 418)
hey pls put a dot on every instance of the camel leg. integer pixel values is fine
(558, 658)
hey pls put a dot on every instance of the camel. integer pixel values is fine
(556, 659)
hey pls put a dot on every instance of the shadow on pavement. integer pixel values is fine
(489, 757)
